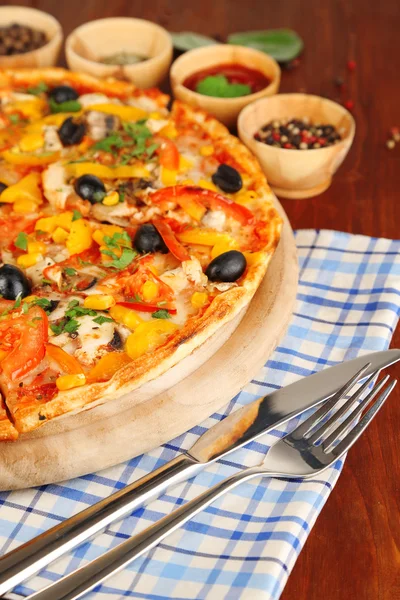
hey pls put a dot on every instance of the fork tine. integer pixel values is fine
(361, 426)
(309, 423)
(335, 435)
(334, 419)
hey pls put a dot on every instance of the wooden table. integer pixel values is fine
(354, 548)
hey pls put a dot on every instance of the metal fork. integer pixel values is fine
(307, 451)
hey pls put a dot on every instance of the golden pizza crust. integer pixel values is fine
(197, 330)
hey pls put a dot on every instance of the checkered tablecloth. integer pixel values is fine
(246, 543)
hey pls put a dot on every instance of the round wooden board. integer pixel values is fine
(168, 406)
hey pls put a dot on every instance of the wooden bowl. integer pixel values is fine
(47, 55)
(90, 42)
(225, 110)
(297, 173)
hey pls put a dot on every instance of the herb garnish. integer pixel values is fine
(122, 243)
(161, 314)
(102, 319)
(22, 241)
(40, 88)
(14, 119)
(76, 215)
(69, 271)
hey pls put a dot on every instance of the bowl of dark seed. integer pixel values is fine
(300, 141)
(28, 38)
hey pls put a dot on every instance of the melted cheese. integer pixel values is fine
(91, 99)
(52, 142)
(55, 187)
(35, 273)
(92, 339)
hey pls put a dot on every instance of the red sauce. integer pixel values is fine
(234, 72)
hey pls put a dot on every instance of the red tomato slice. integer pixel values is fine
(168, 155)
(170, 240)
(30, 332)
(146, 307)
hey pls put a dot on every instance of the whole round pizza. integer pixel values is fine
(130, 233)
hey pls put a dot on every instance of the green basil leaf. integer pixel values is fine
(281, 44)
(219, 87)
(187, 40)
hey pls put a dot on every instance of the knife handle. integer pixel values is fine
(29, 558)
(80, 582)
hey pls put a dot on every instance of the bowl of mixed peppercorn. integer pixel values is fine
(28, 38)
(300, 141)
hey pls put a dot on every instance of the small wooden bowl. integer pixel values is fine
(47, 55)
(90, 42)
(297, 173)
(225, 110)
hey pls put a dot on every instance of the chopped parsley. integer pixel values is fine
(14, 119)
(76, 215)
(69, 271)
(43, 303)
(123, 261)
(47, 282)
(102, 319)
(22, 241)
(18, 301)
(161, 314)
(121, 242)
(40, 88)
(111, 143)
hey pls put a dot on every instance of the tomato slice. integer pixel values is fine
(68, 363)
(146, 307)
(170, 240)
(30, 333)
(168, 155)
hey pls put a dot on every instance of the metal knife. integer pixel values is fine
(233, 432)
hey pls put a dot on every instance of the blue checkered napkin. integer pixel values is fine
(246, 543)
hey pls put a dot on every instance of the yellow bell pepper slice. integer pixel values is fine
(126, 316)
(27, 188)
(31, 109)
(147, 336)
(79, 238)
(126, 113)
(108, 365)
(15, 157)
(203, 237)
(122, 172)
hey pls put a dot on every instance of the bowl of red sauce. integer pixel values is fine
(222, 79)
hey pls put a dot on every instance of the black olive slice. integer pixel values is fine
(227, 179)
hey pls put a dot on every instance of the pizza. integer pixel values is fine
(130, 233)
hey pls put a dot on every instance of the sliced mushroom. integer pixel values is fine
(100, 124)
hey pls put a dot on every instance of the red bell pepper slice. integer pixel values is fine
(168, 155)
(146, 307)
(170, 240)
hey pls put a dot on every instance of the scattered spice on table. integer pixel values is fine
(298, 134)
(18, 39)
(394, 137)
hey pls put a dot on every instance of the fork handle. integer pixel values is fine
(28, 559)
(81, 581)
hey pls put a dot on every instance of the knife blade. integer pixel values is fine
(233, 432)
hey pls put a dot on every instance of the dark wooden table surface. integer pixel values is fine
(354, 548)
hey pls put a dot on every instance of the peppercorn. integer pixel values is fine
(298, 134)
(18, 39)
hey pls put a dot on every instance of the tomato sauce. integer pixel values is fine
(234, 72)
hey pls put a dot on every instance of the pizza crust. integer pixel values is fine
(197, 330)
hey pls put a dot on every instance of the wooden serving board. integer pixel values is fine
(168, 406)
